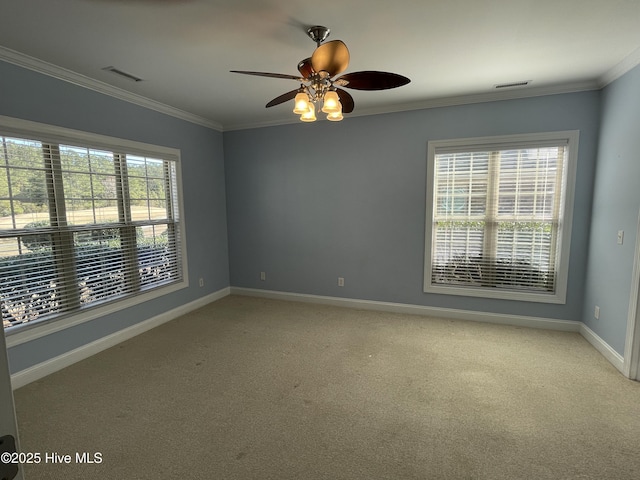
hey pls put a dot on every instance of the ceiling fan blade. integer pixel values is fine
(371, 80)
(266, 74)
(346, 100)
(305, 67)
(285, 97)
(331, 57)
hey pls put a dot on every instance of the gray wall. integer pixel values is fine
(615, 207)
(310, 202)
(32, 96)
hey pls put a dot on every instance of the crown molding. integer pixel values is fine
(628, 63)
(46, 68)
(506, 94)
(292, 120)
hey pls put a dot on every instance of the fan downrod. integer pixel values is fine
(318, 34)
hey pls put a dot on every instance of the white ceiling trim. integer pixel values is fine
(631, 61)
(498, 95)
(70, 76)
(507, 94)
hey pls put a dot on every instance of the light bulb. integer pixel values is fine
(331, 102)
(335, 116)
(310, 114)
(301, 103)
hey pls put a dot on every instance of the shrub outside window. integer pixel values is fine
(499, 215)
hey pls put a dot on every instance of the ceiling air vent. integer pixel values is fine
(126, 75)
(522, 83)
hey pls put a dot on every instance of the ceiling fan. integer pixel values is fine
(317, 82)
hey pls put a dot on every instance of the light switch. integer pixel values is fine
(620, 237)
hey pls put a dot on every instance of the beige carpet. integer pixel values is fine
(249, 388)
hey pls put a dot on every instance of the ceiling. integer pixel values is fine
(454, 51)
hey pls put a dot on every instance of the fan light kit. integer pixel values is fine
(317, 85)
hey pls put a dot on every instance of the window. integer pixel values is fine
(86, 221)
(499, 216)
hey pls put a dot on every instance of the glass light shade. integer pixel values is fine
(301, 103)
(310, 114)
(335, 116)
(331, 102)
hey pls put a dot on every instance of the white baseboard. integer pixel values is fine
(603, 347)
(514, 320)
(52, 365)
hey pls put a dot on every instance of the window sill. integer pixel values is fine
(32, 331)
(495, 293)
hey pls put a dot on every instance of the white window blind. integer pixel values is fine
(83, 226)
(496, 217)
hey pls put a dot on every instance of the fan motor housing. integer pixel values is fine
(318, 33)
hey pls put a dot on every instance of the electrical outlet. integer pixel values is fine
(596, 312)
(341, 281)
(263, 276)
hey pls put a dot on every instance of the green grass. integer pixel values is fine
(9, 246)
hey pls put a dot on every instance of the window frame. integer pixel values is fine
(502, 142)
(59, 135)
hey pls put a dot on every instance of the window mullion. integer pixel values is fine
(91, 188)
(62, 237)
(490, 241)
(128, 231)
